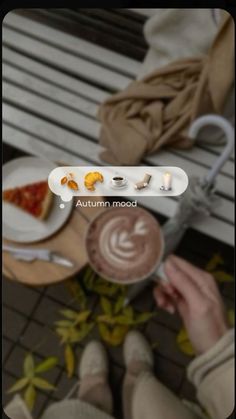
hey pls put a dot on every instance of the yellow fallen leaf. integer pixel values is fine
(215, 260)
(106, 306)
(64, 323)
(128, 312)
(29, 365)
(77, 291)
(70, 360)
(143, 317)
(231, 317)
(42, 384)
(124, 320)
(46, 365)
(104, 318)
(19, 385)
(104, 332)
(115, 336)
(69, 314)
(222, 276)
(118, 335)
(119, 304)
(82, 316)
(184, 343)
(63, 333)
(30, 397)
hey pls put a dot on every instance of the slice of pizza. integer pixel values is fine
(34, 198)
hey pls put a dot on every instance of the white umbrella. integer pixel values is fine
(199, 198)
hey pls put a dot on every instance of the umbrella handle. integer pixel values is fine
(227, 128)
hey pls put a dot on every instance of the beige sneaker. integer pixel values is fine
(93, 372)
(137, 350)
(138, 359)
(93, 360)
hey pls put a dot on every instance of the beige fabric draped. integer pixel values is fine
(157, 110)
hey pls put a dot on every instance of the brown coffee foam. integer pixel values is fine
(118, 246)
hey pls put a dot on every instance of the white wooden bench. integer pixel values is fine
(53, 83)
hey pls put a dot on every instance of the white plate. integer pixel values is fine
(17, 224)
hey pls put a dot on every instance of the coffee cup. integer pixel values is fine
(125, 245)
(118, 181)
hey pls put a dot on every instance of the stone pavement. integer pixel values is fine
(28, 316)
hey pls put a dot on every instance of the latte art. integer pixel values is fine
(124, 244)
(121, 243)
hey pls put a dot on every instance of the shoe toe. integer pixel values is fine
(137, 348)
(94, 360)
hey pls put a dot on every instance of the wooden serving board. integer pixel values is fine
(68, 241)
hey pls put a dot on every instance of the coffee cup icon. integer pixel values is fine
(118, 181)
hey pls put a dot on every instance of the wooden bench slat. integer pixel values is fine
(89, 32)
(71, 43)
(31, 145)
(53, 75)
(112, 16)
(144, 12)
(50, 110)
(78, 145)
(89, 127)
(64, 60)
(27, 81)
(53, 134)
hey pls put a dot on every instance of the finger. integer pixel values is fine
(202, 278)
(183, 283)
(170, 290)
(163, 300)
(160, 297)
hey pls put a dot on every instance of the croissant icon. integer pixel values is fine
(91, 178)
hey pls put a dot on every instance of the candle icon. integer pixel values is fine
(167, 182)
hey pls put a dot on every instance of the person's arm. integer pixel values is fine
(194, 294)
